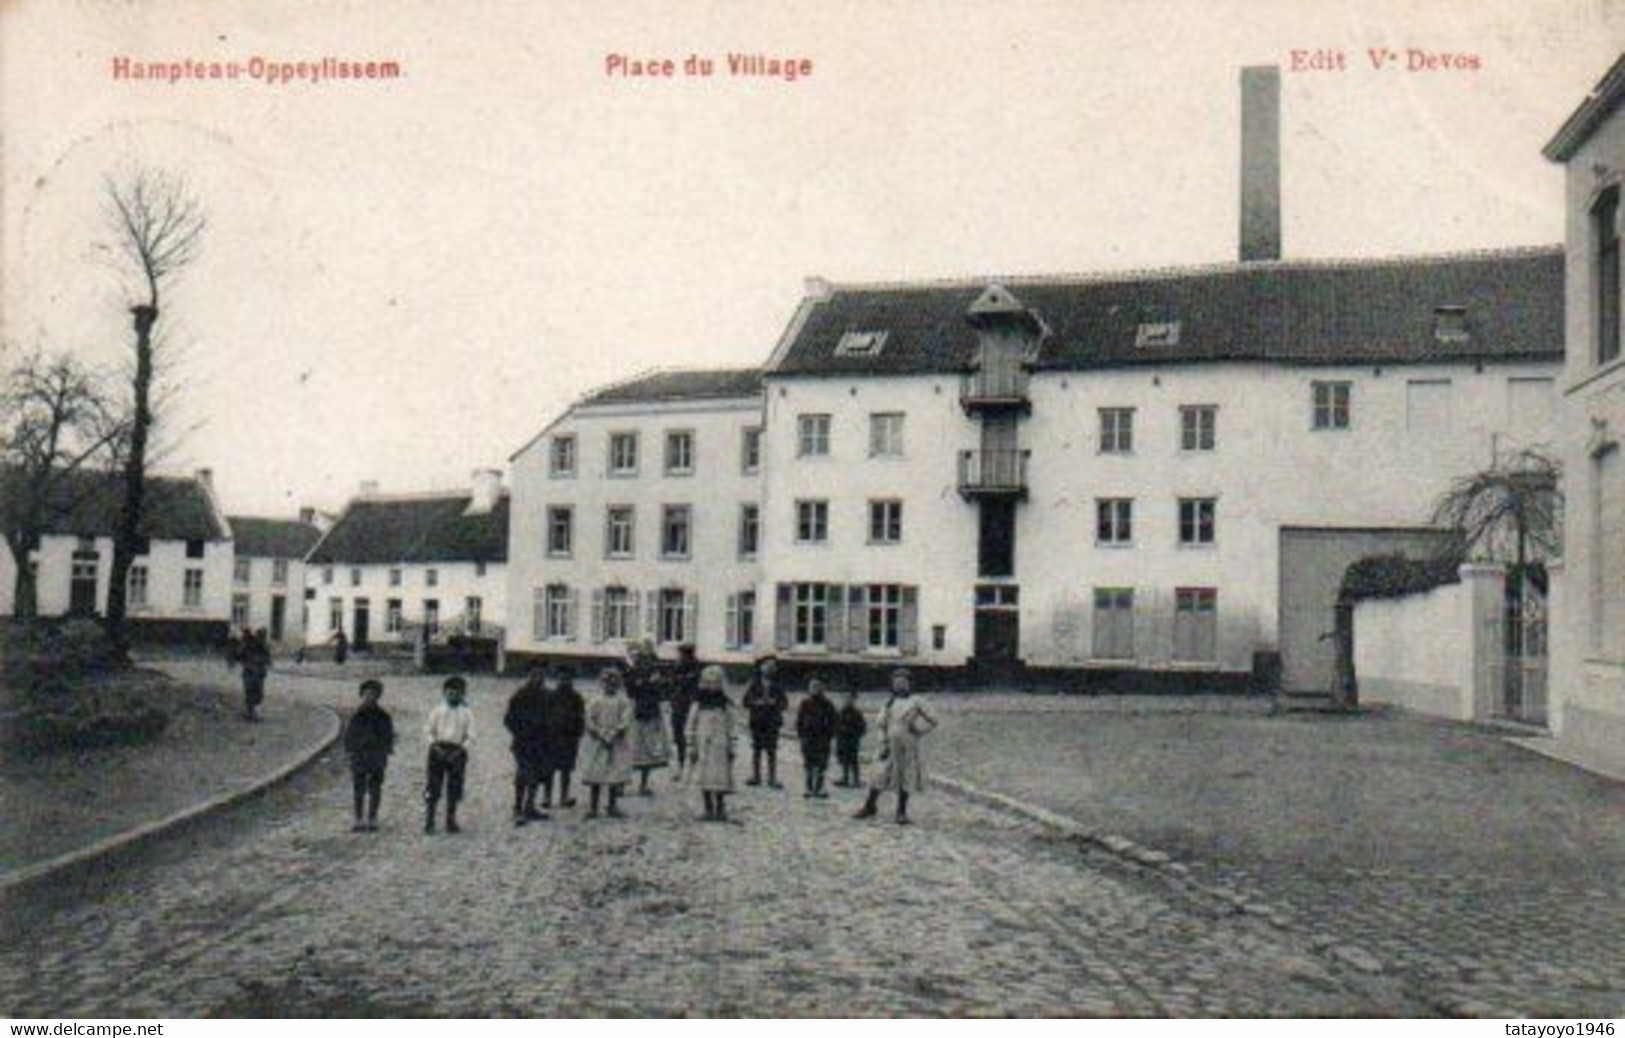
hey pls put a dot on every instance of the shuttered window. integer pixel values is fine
(1114, 623)
(1196, 614)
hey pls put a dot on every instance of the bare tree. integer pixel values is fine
(158, 225)
(59, 442)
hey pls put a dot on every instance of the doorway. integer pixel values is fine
(360, 633)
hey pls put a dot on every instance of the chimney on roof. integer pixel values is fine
(1260, 163)
(487, 488)
(307, 515)
(368, 488)
(816, 287)
(206, 477)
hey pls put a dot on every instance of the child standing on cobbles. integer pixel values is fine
(849, 730)
(815, 728)
(450, 732)
(566, 722)
(369, 739)
(765, 704)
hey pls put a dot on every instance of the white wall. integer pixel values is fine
(455, 582)
(714, 492)
(166, 565)
(261, 588)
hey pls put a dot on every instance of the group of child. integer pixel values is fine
(623, 727)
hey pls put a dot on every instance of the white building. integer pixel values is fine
(179, 585)
(268, 574)
(396, 566)
(636, 514)
(1588, 650)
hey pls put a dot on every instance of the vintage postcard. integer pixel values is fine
(1077, 508)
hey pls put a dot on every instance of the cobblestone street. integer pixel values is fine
(796, 909)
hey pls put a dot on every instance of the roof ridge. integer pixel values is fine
(1197, 269)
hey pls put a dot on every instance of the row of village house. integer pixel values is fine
(1161, 472)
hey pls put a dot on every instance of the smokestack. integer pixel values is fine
(1260, 163)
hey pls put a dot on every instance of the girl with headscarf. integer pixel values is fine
(711, 743)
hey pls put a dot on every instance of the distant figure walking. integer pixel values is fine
(526, 720)
(256, 659)
(650, 750)
(903, 723)
(710, 740)
(341, 647)
(850, 727)
(815, 728)
(566, 723)
(685, 686)
(609, 745)
(369, 739)
(451, 733)
(766, 704)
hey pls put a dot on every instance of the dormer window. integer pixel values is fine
(1156, 333)
(1450, 324)
(861, 344)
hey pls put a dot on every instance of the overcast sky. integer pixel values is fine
(405, 280)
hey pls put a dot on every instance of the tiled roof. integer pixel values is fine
(1306, 312)
(88, 504)
(418, 528)
(1591, 113)
(273, 538)
(696, 384)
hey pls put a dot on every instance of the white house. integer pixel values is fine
(395, 567)
(1588, 650)
(179, 585)
(637, 514)
(268, 574)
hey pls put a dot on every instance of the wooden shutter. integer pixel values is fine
(691, 618)
(730, 634)
(908, 622)
(597, 614)
(784, 630)
(835, 617)
(857, 617)
(572, 614)
(538, 615)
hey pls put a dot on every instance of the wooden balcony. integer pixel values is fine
(1000, 473)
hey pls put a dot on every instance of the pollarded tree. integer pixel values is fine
(1511, 512)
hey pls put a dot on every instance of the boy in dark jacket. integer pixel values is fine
(849, 729)
(766, 704)
(815, 728)
(566, 713)
(526, 720)
(369, 739)
(256, 660)
(685, 687)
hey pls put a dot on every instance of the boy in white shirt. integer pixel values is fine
(450, 732)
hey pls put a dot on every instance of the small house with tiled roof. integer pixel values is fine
(268, 574)
(179, 585)
(637, 514)
(399, 569)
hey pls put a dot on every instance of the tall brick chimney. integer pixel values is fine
(1260, 163)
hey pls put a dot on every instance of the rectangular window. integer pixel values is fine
(561, 457)
(1196, 625)
(355, 576)
(680, 453)
(812, 522)
(812, 435)
(1198, 428)
(135, 586)
(431, 616)
(239, 610)
(479, 567)
(394, 576)
(242, 571)
(1196, 516)
(671, 621)
(811, 615)
(1116, 430)
(279, 572)
(886, 435)
(192, 589)
(1114, 520)
(327, 574)
(1605, 269)
(431, 577)
(741, 632)
(335, 614)
(561, 528)
(1114, 623)
(194, 549)
(676, 526)
(623, 454)
(750, 450)
(473, 614)
(561, 615)
(885, 522)
(884, 615)
(620, 619)
(1427, 405)
(618, 532)
(392, 616)
(1332, 410)
(750, 530)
